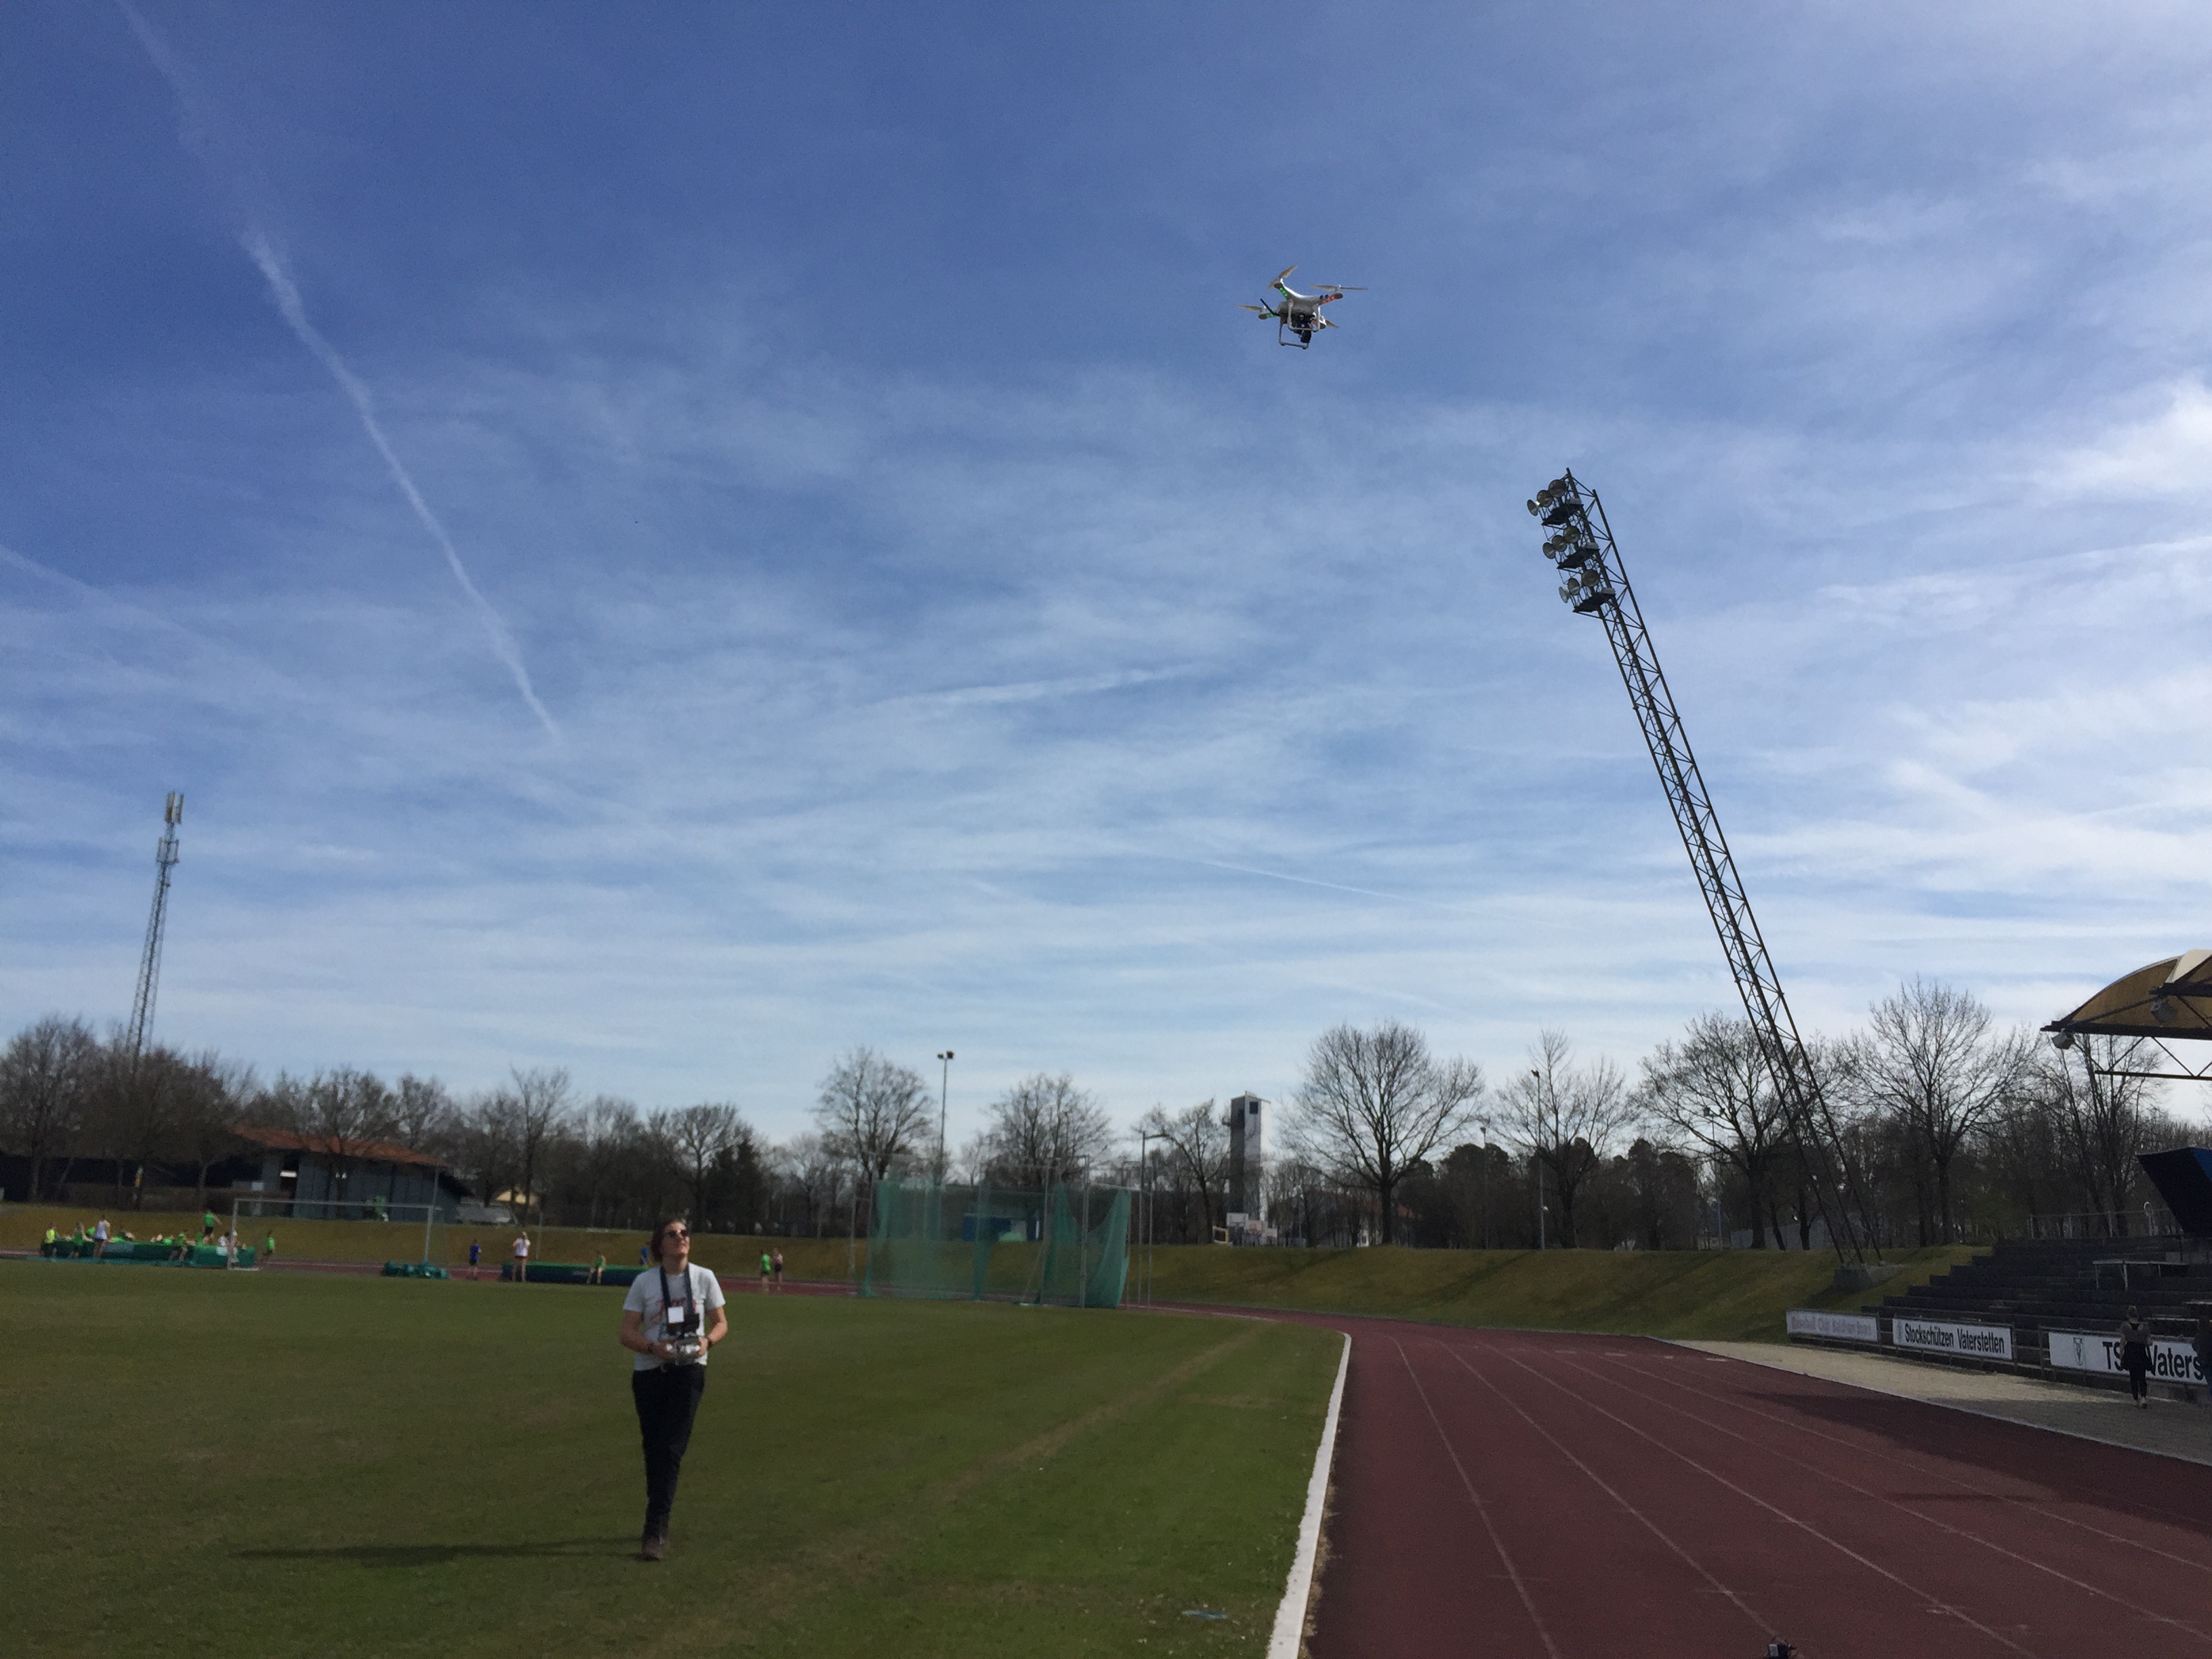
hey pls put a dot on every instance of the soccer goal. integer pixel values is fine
(413, 1234)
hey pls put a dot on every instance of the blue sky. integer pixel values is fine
(955, 624)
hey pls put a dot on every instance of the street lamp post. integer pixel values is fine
(1145, 1218)
(943, 1093)
(1485, 1122)
(1541, 1092)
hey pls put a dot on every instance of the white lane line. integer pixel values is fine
(1902, 1509)
(2041, 1511)
(1921, 1516)
(1782, 1515)
(1694, 1565)
(1906, 1509)
(1290, 1615)
(1480, 1507)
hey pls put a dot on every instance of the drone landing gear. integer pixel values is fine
(1304, 339)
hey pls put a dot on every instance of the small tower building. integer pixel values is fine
(1247, 1157)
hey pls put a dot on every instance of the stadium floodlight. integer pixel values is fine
(1595, 582)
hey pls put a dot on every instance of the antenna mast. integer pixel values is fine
(149, 968)
(1597, 584)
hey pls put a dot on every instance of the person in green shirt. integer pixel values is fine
(47, 1246)
(268, 1248)
(766, 1267)
(597, 1275)
(207, 1225)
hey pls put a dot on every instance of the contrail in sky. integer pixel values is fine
(198, 130)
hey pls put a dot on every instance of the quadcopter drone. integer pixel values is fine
(1300, 313)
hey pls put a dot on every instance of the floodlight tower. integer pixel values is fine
(1595, 584)
(149, 968)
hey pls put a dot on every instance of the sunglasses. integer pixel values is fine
(676, 1232)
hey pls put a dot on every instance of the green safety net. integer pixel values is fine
(978, 1243)
(1086, 1255)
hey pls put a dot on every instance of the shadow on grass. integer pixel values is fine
(433, 1555)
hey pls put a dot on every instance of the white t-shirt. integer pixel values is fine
(694, 1281)
(521, 1249)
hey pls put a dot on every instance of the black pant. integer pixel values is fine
(2137, 1360)
(667, 1400)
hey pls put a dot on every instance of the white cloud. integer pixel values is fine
(2169, 453)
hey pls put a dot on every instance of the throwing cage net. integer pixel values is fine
(1068, 1247)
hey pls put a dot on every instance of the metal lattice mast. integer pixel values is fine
(1597, 584)
(149, 967)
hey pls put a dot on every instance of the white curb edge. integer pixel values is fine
(1290, 1616)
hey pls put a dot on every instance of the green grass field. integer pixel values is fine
(1715, 1295)
(218, 1465)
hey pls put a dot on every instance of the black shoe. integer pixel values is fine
(654, 1546)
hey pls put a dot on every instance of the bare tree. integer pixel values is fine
(816, 1173)
(1931, 1059)
(1043, 1130)
(1197, 1143)
(488, 1143)
(874, 1112)
(1714, 1090)
(423, 1115)
(47, 1075)
(2099, 1120)
(345, 1109)
(700, 1137)
(539, 1105)
(211, 1093)
(1566, 1117)
(609, 1129)
(131, 1108)
(1371, 1104)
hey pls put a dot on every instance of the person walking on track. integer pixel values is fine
(2135, 1356)
(779, 1269)
(671, 1317)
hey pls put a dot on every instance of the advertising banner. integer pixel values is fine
(1836, 1327)
(2083, 1351)
(1940, 1336)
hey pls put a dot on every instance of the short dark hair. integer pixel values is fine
(660, 1228)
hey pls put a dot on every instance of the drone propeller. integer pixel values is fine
(1287, 270)
(1264, 311)
(1338, 287)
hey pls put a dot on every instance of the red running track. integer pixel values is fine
(1550, 1497)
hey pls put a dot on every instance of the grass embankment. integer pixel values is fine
(1720, 1295)
(288, 1465)
(21, 1226)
